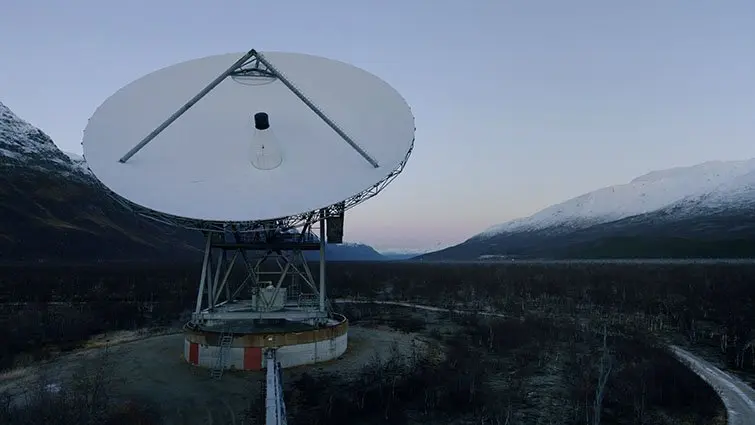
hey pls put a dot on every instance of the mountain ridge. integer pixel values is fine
(647, 193)
(702, 210)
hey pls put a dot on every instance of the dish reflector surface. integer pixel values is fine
(201, 166)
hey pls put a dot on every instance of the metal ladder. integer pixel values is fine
(226, 339)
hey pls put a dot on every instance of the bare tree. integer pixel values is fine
(82, 399)
(639, 404)
(604, 372)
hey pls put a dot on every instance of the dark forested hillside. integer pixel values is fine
(44, 217)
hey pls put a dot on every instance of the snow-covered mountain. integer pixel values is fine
(52, 209)
(396, 254)
(707, 185)
(22, 144)
(705, 210)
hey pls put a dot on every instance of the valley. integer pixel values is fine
(555, 315)
(566, 316)
(696, 212)
(361, 213)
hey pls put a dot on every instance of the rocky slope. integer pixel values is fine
(51, 208)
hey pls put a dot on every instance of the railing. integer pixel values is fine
(309, 302)
(275, 406)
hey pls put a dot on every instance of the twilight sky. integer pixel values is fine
(519, 104)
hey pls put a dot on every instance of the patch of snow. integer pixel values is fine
(53, 388)
(739, 191)
(9, 154)
(14, 123)
(709, 183)
(403, 251)
(20, 137)
(352, 244)
(74, 156)
(22, 142)
(79, 162)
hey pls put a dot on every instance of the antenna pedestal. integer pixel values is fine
(257, 280)
(257, 293)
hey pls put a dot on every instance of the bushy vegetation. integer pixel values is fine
(47, 309)
(661, 246)
(497, 371)
(86, 399)
(708, 305)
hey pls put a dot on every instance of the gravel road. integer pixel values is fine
(738, 397)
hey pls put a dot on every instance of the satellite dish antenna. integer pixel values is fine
(187, 152)
(256, 151)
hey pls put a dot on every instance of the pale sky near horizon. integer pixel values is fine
(519, 104)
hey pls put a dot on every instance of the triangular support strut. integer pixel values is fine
(254, 59)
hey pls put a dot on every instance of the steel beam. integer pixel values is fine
(188, 105)
(322, 261)
(286, 82)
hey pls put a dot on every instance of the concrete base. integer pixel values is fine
(295, 346)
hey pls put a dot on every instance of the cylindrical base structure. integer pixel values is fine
(294, 347)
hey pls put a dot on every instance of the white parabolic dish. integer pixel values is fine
(199, 167)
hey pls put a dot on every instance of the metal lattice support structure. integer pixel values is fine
(270, 260)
